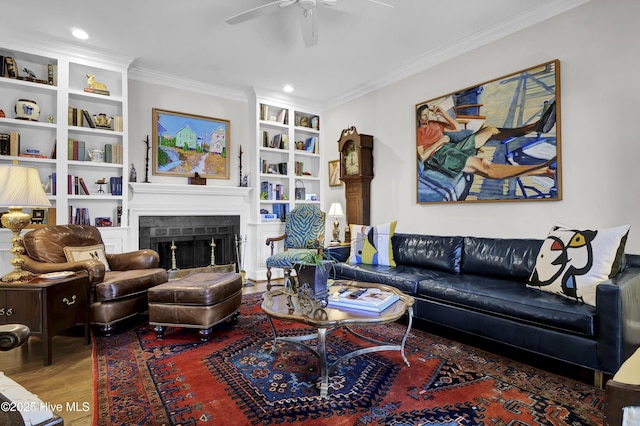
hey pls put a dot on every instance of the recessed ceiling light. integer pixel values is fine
(288, 88)
(80, 34)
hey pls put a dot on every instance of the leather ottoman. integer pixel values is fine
(199, 301)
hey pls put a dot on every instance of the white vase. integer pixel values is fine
(27, 110)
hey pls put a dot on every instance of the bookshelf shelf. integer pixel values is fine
(64, 76)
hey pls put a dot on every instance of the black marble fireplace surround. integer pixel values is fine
(192, 237)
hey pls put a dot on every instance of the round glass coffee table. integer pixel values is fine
(277, 304)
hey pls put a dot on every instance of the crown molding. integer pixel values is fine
(430, 59)
(154, 77)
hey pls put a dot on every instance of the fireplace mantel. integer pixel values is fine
(161, 199)
(195, 190)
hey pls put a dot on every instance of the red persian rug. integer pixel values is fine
(237, 378)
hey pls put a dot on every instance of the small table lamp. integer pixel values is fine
(336, 211)
(19, 187)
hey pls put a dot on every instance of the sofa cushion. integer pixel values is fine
(404, 278)
(372, 244)
(571, 262)
(497, 257)
(513, 300)
(119, 284)
(95, 252)
(428, 251)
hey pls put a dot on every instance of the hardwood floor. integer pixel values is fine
(68, 381)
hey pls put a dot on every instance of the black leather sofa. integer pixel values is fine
(478, 285)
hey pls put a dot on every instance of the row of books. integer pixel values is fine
(80, 118)
(278, 141)
(76, 185)
(311, 145)
(10, 144)
(279, 115)
(272, 191)
(9, 69)
(79, 216)
(76, 150)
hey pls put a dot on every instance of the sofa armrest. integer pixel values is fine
(138, 259)
(94, 268)
(13, 335)
(338, 253)
(618, 313)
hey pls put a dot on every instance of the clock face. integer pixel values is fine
(351, 162)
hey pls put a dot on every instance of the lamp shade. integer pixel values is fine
(336, 210)
(21, 187)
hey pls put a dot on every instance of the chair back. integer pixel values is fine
(303, 225)
(47, 244)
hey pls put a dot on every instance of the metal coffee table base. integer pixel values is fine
(320, 350)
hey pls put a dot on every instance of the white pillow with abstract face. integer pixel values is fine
(571, 262)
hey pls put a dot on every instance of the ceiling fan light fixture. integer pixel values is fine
(285, 3)
(288, 88)
(307, 4)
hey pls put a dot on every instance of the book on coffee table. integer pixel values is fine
(366, 299)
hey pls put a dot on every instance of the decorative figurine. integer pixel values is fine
(29, 73)
(101, 120)
(50, 118)
(133, 177)
(94, 87)
(146, 161)
(93, 84)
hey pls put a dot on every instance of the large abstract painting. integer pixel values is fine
(497, 141)
(185, 144)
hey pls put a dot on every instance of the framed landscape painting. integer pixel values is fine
(185, 144)
(497, 141)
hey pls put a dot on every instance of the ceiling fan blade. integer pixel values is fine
(265, 9)
(382, 3)
(309, 28)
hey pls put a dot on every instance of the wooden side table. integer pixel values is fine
(47, 307)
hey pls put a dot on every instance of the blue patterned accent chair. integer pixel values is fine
(303, 233)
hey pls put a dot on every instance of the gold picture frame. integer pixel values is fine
(334, 173)
(495, 141)
(185, 144)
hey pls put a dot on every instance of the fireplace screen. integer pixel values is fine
(193, 238)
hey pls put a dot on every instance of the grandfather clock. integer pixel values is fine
(356, 171)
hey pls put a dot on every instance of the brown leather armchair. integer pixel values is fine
(116, 294)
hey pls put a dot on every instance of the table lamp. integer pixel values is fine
(336, 211)
(19, 187)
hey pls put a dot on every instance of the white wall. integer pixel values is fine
(597, 48)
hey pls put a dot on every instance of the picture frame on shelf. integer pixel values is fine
(495, 141)
(184, 144)
(334, 173)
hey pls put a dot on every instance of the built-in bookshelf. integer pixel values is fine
(78, 141)
(288, 155)
(287, 167)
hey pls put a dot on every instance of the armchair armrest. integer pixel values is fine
(138, 259)
(271, 240)
(13, 335)
(94, 268)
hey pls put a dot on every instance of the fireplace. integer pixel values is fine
(194, 238)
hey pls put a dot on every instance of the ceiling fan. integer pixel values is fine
(309, 22)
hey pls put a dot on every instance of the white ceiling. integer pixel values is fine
(362, 45)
